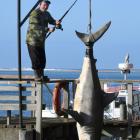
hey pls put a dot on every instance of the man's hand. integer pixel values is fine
(57, 22)
(51, 29)
(58, 25)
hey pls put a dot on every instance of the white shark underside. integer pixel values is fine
(90, 100)
(89, 104)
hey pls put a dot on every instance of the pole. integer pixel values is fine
(26, 17)
(125, 76)
(130, 109)
(19, 59)
(122, 111)
(39, 110)
(62, 18)
(90, 16)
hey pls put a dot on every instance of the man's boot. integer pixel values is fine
(38, 75)
(43, 77)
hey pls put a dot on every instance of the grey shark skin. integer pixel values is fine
(90, 100)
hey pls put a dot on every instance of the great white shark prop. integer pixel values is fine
(90, 100)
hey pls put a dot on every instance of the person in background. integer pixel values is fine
(36, 34)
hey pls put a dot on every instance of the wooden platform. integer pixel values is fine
(58, 128)
(52, 128)
(61, 120)
(63, 128)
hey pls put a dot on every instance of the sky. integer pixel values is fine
(63, 48)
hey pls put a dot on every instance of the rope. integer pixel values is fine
(90, 17)
(48, 88)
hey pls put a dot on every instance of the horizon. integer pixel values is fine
(64, 69)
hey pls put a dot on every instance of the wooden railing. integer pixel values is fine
(32, 100)
(31, 96)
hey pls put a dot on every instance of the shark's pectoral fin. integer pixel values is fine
(75, 115)
(108, 98)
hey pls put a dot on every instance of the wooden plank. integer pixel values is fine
(130, 101)
(119, 81)
(33, 92)
(15, 77)
(15, 88)
(9, 88)
(16, 98)
(30, 78)
(39, 90)
(16, 106)
(66, 97)
(130, 108)
(14, 82)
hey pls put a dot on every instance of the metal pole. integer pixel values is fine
(19, 59)
(125, 76)
(26, 17)
(130, 109)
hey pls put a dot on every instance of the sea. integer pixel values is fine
(67, 74)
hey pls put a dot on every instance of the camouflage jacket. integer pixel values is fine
(38, 27)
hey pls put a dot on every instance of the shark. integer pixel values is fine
(90, 100)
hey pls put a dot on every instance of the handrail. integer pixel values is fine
(31, 78)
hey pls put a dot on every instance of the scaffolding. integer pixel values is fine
(19, 25)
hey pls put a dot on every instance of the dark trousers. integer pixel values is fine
(38, 57)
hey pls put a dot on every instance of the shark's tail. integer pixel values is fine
(93, 37)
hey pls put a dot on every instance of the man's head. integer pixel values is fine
(43, 6)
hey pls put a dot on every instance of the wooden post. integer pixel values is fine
(26, 135)
(129, 108)
(39, 110)
(122, 111)
(8, 117)
(122, 114)
(66, 97)
(33, 94)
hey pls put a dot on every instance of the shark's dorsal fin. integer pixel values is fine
(108, 98)
(93, 37)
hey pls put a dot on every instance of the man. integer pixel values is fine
(37, 30)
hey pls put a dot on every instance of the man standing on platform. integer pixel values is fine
(36, 34)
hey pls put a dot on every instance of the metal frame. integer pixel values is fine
(19, 25)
